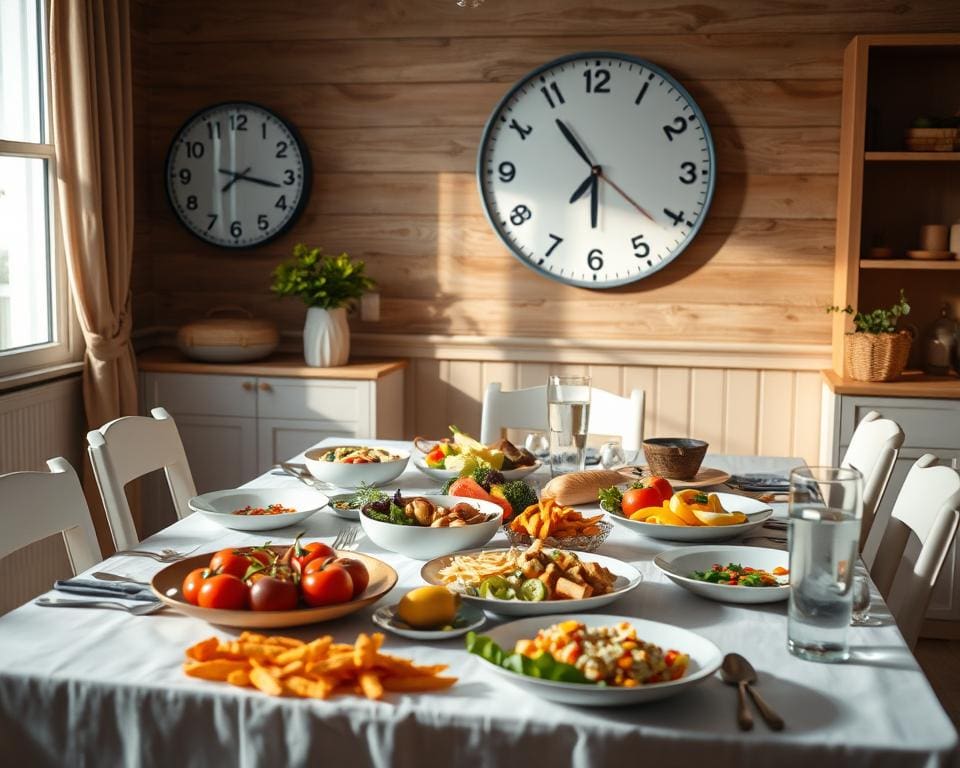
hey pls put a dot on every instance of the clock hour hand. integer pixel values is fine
(594, 202)
(242, 176)
(582, 188)
(573, 142)
(236, 177)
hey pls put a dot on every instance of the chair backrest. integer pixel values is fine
(527, 408)
(873, 450)
(928, 505)
(39, 504)
(131, 447)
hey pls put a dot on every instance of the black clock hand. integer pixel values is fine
(582, 188)
(236, 177)
(573, 142)
(262, 182)
(594, 202)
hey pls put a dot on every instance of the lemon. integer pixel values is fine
(428, 607)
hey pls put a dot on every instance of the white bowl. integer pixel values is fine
(355, 475)
(422, 543)
(705, 659)
(628, 579)
(678, 564)
(219, 506)
(756, 511)
(448, 474)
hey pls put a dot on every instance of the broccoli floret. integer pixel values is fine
(520, 495)
(445, 488)
(487, 476)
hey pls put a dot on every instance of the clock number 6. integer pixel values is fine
(641, 249)
(594, 260)
(235, 229)
(520, 214)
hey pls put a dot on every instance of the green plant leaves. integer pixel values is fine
(879, 320)
(321, 280)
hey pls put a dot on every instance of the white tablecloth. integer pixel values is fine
(101, 688)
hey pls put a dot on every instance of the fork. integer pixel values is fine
(103, 576)
(163, 556)
(346, 538)
(137, 610)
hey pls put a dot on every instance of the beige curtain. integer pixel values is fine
(91, 81)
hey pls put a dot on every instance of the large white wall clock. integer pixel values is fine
(237, 175)
(597, 169)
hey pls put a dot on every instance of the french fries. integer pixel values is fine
(548, 518)
(285, 666)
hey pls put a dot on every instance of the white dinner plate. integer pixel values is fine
(628, 579)
(705, 660)
(219, 506)
(756, 511)
(678, 564)
(448, 474)
(468, 618)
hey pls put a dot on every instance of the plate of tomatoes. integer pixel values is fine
(273, 586)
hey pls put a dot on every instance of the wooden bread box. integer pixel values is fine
(228, 339)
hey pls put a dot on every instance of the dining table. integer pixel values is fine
(104, 688)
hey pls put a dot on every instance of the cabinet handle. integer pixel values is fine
(247, 386)
(264, 387)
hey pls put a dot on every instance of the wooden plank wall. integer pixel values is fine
(391, 97)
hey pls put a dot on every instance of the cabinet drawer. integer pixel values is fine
(926, 424)
(334, 401)
(202, 394)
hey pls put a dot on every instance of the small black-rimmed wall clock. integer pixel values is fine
(597, 169)
(238, 175)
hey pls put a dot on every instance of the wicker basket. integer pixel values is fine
(876, 356)
(678, 458)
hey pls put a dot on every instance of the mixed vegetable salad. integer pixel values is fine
(737, 575)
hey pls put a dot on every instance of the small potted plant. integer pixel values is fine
(876, 350)
(328, 285)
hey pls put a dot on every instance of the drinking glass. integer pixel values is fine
(537, 444)
(612, 455)
(826, 505)
(861, 601)
(568, 414)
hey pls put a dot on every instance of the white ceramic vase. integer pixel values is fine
(326, 337)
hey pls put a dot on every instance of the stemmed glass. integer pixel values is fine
(612, 455)
(538, 444)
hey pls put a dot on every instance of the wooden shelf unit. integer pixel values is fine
(908, 264)
(885, 194)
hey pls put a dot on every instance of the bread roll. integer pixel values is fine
(581, 487)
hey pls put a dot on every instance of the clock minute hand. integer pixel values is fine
(573, 142)
(235, 179)
(262, 182)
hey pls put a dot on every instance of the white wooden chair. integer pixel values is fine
(873, 451)
(131, 447)
(36, 505)
(928, 505)
(527, 409)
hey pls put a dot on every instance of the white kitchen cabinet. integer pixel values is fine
(238, 421)
(930, 425)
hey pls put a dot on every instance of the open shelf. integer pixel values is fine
(908, 264)
(910, 384)
(912, 157)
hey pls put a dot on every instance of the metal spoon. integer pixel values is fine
(736, 670)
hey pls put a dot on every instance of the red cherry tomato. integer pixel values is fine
(230, 561)
(224, 591)
(662, 485)
(191, 585)
(639, 498)
(304, 554)
(269, 593)
(327, 586)
(358, 574)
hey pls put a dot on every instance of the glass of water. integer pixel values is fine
(860, 616)
(826, 505)
(568, 414)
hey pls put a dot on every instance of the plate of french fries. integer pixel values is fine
(578, 581)
(167, 586)
(557, 526)
(318, 669)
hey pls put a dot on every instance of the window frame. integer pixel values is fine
(53, 358)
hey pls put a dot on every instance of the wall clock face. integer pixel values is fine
(597, 169)
(237, 175)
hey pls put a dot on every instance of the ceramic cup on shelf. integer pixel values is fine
(955, 240)
(934, 237)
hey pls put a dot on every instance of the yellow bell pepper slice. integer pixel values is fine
(667, 517)
(709, 517)
(646, 512)
(680, 508)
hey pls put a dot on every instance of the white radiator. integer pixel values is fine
(35, 424)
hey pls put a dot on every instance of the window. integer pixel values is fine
(35, 325)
